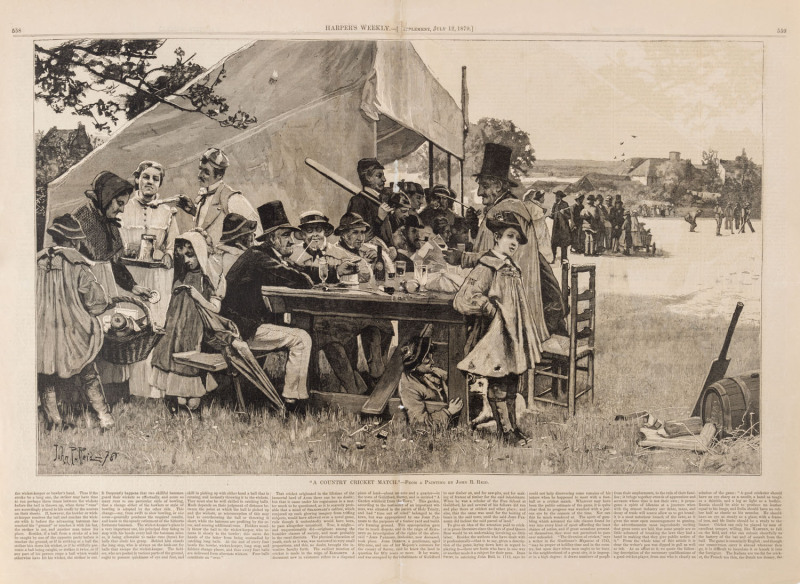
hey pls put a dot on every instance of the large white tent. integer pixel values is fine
(333, 101)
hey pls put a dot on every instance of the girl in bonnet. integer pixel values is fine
(501, 342)
(197, 283)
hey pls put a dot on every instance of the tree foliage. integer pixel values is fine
(505, 132)
(104, 79)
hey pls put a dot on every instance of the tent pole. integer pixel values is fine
(449, 171)
(430, 164)
(465, 116)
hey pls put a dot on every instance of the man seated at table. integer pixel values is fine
(268, 264)
(401, 208)
(338, 335)
(439, 206)
(238, 235)
(315, 228)
(407, 239)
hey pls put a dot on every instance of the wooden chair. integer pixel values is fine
(564, 357)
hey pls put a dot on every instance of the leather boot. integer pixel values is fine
(90, 381)
(520, 439)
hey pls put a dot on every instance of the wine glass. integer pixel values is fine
(322, 267)
(422, 276)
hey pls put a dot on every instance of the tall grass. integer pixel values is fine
(647, 359)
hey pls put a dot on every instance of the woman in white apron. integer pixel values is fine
(145, 215)
(99, 219)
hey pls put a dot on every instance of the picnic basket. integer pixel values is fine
(135, 346)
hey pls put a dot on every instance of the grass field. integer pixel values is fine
(655, 344)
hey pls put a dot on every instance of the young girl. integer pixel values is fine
(501, 342)
(196, 283)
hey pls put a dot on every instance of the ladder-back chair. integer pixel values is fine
(564, 357)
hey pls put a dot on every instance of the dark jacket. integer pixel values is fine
(560, 214)
(243, 303)
(368, 210)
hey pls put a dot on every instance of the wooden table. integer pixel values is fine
(427, 307)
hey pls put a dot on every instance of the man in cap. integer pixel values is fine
(576, 211)
(401, 208)
(68, 334)
(367, 203)
(267, 264)
(439, 205)
(561, 237)
(314, 249)
(591, 220)
(215, 199)
(746, 212)
(719, 215)
(423, 387)
(338, 335)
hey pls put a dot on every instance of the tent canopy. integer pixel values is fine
(333, 101)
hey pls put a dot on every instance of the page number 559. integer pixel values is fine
(15, 30)
(781, 30)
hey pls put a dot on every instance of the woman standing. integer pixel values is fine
(501, 342)
(145, 216)
(99, 220)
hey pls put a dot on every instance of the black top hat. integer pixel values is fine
(415, 351)
(234, 226)
(67, 227)
(366, 164)
(273, 217)
(497, 163)
(351, 221)
(503, 220)
(315, 217)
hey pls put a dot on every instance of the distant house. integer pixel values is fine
(59, 150)
(595, 181)
(653, 172)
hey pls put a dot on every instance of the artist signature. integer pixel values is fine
(77, 455)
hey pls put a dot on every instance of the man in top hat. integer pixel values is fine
(238, 235)
(267, 264)
(314, 249)
(68, 334)
(494, 189)
(561, 236)
(367, 203)
(215, 199)
(423, 387)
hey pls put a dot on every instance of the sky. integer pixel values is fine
(597, 100)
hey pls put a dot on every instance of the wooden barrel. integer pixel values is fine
(732, 403)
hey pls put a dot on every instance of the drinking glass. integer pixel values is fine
(400, 267)
(388, 287)
(422, 276)
(323, 269)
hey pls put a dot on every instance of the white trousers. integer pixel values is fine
(272, 337)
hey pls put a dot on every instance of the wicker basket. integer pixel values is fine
(135, 346)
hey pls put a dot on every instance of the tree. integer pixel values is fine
(505, 132)
(101, 79)
(711, 161)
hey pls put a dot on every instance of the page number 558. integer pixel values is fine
(781, 30)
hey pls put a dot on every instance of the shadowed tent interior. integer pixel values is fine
(333, 101)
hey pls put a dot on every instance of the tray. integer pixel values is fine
(141, 263)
